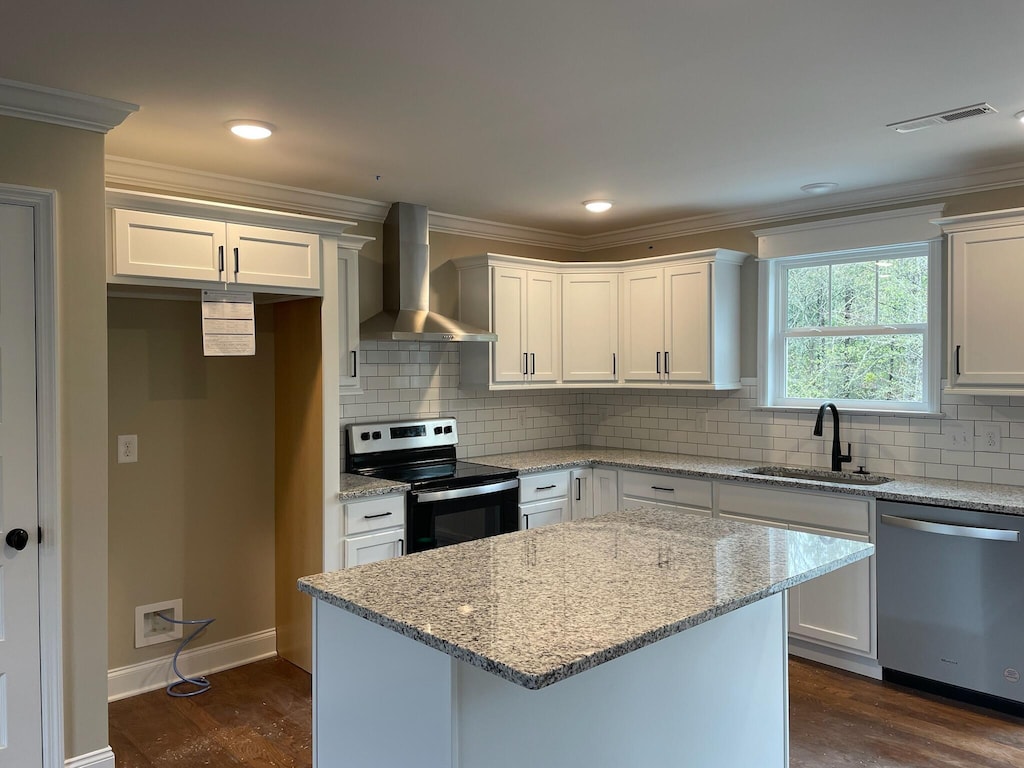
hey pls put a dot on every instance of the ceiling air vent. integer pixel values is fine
(941, 118)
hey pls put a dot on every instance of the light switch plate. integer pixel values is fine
(957, 436)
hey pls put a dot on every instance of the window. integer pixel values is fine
(858, 327)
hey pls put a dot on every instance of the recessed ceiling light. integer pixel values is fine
(1020, 116)
(250, 129)
(819, 187)
(597, 206)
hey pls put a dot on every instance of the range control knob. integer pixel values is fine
(376, 435)
(437, 430)
(448, 430)
(364, 436)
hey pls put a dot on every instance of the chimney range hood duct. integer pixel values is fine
(406, 315)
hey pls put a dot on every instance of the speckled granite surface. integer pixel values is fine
(360, 486)
(984, 497)
(538, 606)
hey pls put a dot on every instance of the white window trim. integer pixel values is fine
(781, 242)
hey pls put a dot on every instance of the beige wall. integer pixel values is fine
(71, 162)
(194, 517)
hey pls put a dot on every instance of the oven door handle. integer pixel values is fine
(460, 493)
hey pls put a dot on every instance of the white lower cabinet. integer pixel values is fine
(649, 489)
(544, 499)
(374, 529)
(593, 491)
(836, 610)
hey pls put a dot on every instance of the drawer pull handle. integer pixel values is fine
(659, 488)
(371, 517)
(545, 487)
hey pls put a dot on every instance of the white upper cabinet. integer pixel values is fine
(526, 319)
(157, 245)
(655, 322)
(157, 240)
(643, 324)
(986, 270)
(278, 257)
(590, 326)
(680, 322)
(523, 307)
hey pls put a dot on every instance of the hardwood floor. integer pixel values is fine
(259, 715)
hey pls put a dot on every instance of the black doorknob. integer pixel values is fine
(17, 538)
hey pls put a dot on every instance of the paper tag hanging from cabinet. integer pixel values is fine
(229, 323)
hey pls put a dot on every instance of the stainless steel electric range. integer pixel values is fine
(450, 501)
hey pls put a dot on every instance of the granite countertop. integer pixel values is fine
(538, 606)
(361, 486)
(983, 497)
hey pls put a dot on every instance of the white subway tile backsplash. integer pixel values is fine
(405, 378)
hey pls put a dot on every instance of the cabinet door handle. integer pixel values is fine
(401, 547)
(526, 363)
(659, 488)
(957, 359)
(666, 362)
(579, 489)
(373, 517)
(533, 363)
(657, 362)
(614, 371)
(526, 522)
(236, 261)
(220, 258)
(544, 487)
(355, 363)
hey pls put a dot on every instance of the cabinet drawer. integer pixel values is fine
(631, 503)
(374, 514)
(827, 511)
(548, 485)
(670, 489)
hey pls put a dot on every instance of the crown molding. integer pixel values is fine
(125, 172)
(509, 233)
(72, 110)
(840, 203)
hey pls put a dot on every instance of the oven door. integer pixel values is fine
(437, 518)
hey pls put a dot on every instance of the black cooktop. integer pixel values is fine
(445, 474)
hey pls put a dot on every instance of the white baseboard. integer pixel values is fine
(151, 675)
(101, 758)
(836, 658)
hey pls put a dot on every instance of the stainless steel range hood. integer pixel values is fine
(406, 315)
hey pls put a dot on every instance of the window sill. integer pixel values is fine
(860, 411)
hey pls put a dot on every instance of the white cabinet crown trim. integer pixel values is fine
(227, 212)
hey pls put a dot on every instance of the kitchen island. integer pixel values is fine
(636, 638)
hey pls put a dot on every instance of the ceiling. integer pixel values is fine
(516, 112)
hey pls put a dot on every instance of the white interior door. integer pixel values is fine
(20, 703)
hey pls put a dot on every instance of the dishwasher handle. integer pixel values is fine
(951, 529)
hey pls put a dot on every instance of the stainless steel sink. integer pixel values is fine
(820, 475)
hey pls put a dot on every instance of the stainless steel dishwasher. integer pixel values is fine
(951, 601)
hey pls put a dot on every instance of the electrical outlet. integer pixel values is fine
(520, 414)
(990, 438)
(127, 449)
(150, 628)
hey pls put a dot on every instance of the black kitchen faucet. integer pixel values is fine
(838, 458)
